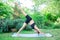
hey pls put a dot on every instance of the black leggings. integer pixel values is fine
(28, 19)
(33, 25)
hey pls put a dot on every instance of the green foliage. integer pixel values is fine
(2, 25)
(46, 18)
(45, 21)
(51, 17)
(50, 13)
(39, 19)
(7, 24)
(5, 10)
(57, 23)
(20, 24)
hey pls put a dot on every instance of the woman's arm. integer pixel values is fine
(20, 9)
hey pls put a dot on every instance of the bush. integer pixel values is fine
(7, 24)
(2, 25)
(20, 24)
(28, 28)
(51, 17)
(57, 23)
(49, 25)
(39, 20)
(44, 21)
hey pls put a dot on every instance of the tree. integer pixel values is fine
(5, 10)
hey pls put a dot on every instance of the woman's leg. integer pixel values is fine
(34, 26)
(24, 25)
(37, 29)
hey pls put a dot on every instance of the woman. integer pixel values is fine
(29, 21)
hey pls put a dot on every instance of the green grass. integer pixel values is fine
(54, 32)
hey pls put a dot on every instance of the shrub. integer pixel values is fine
(57, 23)
(20, 24)
(51, 17)
(39, 20)
(7, 24)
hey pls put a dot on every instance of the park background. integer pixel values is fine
(45, 13)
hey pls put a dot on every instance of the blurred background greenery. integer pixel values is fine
(45, 13)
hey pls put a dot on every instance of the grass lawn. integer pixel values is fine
(54, 32)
